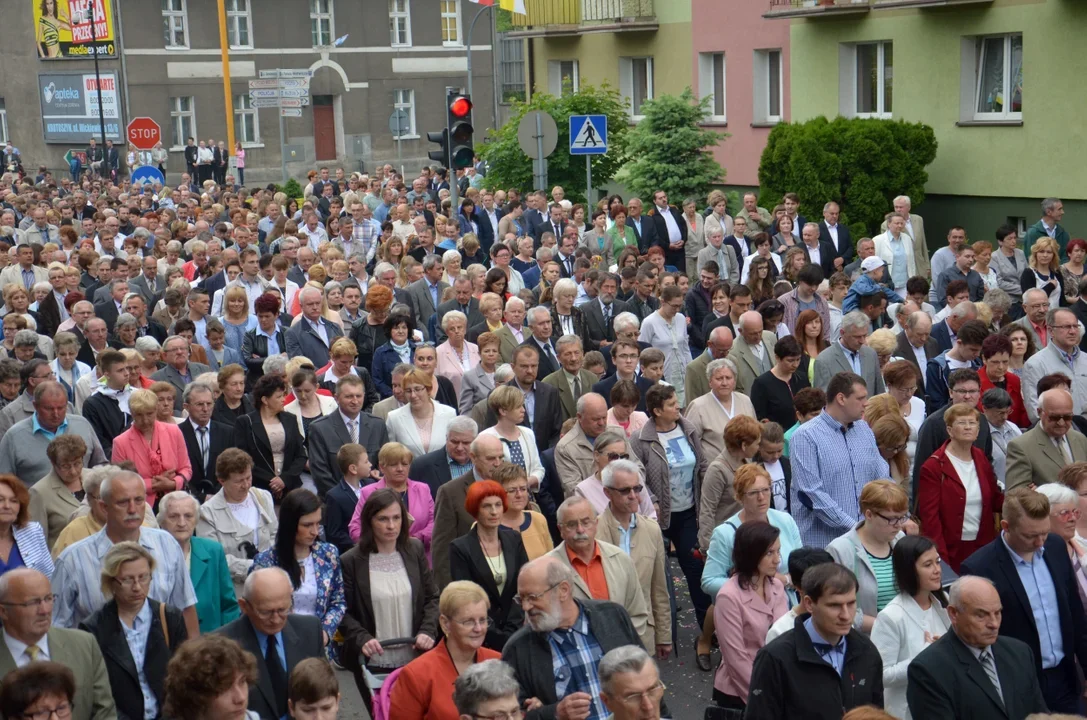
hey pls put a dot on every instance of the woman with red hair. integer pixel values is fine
(491, 555)
(265, 339)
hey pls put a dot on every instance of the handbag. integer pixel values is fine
(162, 619)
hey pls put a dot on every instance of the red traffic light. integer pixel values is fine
(460, 107)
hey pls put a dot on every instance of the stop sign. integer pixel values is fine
(143, 132)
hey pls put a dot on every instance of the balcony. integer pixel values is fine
(834, 8)
(551, 18)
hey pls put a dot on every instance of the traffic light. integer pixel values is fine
(442, 139)
(459, 138)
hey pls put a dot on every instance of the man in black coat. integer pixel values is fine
(205, 439)
(545, 586)
(540, 325)
(599, 314)
(546, 406)
(947, 680)
(645, 230)
(1031, 570)
(670, 228)
(436, 468)
(837, 235)
(553, 223)
(825, 666)
(276, 637)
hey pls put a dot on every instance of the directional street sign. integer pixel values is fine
(290, 112)
(274, 102)
(263, 93)
(294, 83)
(289, 92)
(290, 102)
(588, 134)
(256, 84)
(266, 74)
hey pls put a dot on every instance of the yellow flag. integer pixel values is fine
(515, 6)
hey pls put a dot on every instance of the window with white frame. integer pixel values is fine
(873, 79)
(711, 83)
(3, 122)
(400, 23)
(246, 121)
(320, 16)
(562, 77)
(238, 24)
(998, 76)
(182, 120)
(450, 22)
(175, 24)
(405, 100)
(767, 95)
(636, 82)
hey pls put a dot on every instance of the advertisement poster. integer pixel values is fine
(69, 103)
(64, 29)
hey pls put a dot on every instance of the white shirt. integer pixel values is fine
(832, 230)
(517, 332)
(17, 648)
(814, 256)
(674, 235)
(319, 328)
(922, 361)
(968, 474)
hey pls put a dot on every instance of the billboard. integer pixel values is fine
(62, 29)
(69, 103)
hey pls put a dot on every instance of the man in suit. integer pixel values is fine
(645, 229)
(974, 672)
(1039, 454)
(850, 354)
(542, 406)
(147, 283)
(1031, 570)
(547, 590)
(554, 223)
(204, 439)
(1058, 356)
(451, 519)
(314, 335)
(111, 161)
(349, 425)
(27, 615)
(24, 272)
(696, 384)
(671, 231)
(601, 311)
(278, 638)
(752, 352)
(426, 293)
(916, 345)
(109, 308)
(624, 356)
(462, 301)
(817, 250)
(577, 525)
(436, 468)
(571, 380)
(513, 330)
(836, 235)
(179, 372)
(915, 228)
(539, 322)
(488, 216)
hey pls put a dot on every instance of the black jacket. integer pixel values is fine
(433, 469)
(255, 352)
(249, 435)
(227, 417)
(791, 680)
(596, 329)
(105, 416)
(340, 503)
(105, 625)
(204, 483)
(845, 240)
(467, 562)
(546, 418)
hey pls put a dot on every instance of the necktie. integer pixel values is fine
(1066, 450)
(354, 431)
(203, 431)
(577, 387)
(551, 354)
(988, 662)
(33, 651)
(278, 675)
(607, 316)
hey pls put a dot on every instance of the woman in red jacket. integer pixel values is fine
(957, 494)
(996, 354)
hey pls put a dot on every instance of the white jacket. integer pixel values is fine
(885, 253)
(899, 635)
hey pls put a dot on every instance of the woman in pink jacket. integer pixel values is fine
(394, 460)
(747, 605)
(156, 448)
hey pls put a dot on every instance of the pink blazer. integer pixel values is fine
(420, 507)
(742, 620)
(165, 454)
(449, 365)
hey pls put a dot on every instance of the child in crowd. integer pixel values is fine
(340, 502)
(651, 365)
(594, 363)
(808, 403)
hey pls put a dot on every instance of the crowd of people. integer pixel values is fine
(247, 438)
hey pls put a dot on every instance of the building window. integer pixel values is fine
(873, 79)
(320, 15)
(238, 24)
(998, 71)
(711, 83)
(182, 120)
(636, 82)
(562, 77)
(450, 22)
(767, 96)
(400, 23)
(511, 68)
(405, 100)
(175, 26)
(246, 122)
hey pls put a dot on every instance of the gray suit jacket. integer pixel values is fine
(302, 340)
(78, 651)
(747, 365)
(474, 386)
(1047, 361)
(419, 291)
(833, 361)
(1033, 458)
(328, 434)
(141, 286)
(172, 376)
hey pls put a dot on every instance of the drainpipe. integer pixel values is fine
(121, 54)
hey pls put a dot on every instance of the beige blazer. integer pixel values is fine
(624, 587)
(647, 552)
(52, 505)
(719, 501)
(567, 400)
(1033, 458)
(695, 383)
(916, 231)
(383, 408)
(573, 459)
(747, 365)
(78, 651)
(709, 420)
(217, 522)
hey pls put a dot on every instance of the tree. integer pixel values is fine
(668, 149)
(508, 166)
(860, 163)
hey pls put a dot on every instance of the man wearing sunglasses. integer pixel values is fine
(1039, 454)
(639, 537)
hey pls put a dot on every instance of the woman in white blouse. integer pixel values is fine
(912, 620)
(666, 330)
(456, 356)
(518, 442)
(239, 517)
(422, 423)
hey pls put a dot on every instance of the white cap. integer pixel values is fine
(872, 263)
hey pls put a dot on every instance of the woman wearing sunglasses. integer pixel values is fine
(610, 446)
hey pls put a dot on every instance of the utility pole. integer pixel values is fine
(224, 45)
(97, 73)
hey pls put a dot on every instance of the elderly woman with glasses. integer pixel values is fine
(957, 493)
(424, 687)
(157, 448)
(866, 549)
(39, 691)
(519, 515)
(609, 446)
(489, 690)
(134, 631)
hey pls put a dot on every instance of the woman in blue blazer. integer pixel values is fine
(399, 328)
(313, 566)
(22, 541)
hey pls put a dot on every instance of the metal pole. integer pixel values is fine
(282, 138)
(589, 180)
(468, 44)
(98, 75)
(124, 63)
(224, 46)
(496, 89)
(541, 180)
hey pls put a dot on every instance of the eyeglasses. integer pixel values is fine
(274, 612)
(1054, 417)
(653, 694)
(757, 493)
(130, 582)
(612, 457)
(533, 598)
(508, 715)
(1072, 514)
(632, 490)
(895, 521)
(64, 710)
(1064, 327)
(579, 524)
(33, 602)
(474, 623)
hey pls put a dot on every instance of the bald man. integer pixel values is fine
(752, 351)
(718, 345)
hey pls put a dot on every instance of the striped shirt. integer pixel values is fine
(885, 579)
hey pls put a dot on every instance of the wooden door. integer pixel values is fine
(324, 132)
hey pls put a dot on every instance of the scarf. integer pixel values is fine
(121, 396)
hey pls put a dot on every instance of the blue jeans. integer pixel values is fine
(683, 532)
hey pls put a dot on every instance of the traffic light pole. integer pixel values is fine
(468, 44)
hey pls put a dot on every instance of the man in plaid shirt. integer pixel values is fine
(367, 231)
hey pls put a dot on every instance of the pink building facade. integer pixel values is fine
(742, 60)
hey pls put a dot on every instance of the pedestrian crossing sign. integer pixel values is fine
(588, 134)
